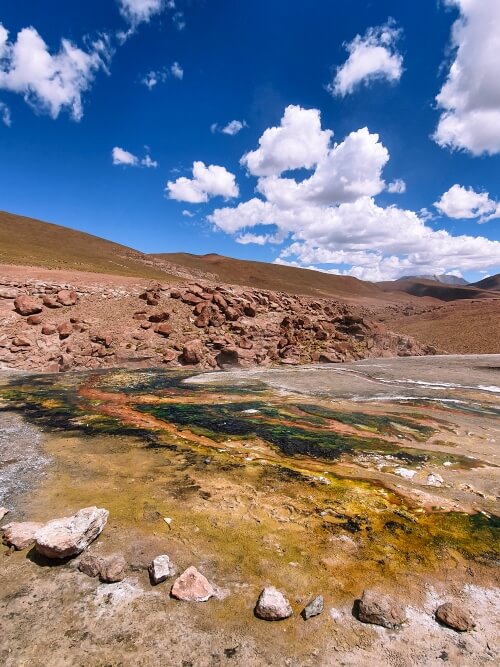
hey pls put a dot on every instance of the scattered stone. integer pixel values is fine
(160, 569)
(65, 329)
(21, 534)
(50, 301)
(25, 305)
(7, 293)
(433, 479)
(272, 605)
(164, 329)
(381, 610)
(455, 616)
(49, 329)
(314, 608)
(90, 564)
(21, 341)
(192, 352)
(67, 297)
(34, 319)
(112, 569)
(192, 586)
(3, 512)
(69, 536)
(160, 316)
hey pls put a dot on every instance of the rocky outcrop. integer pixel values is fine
(57, 327)
(272, 605)
(69, 536)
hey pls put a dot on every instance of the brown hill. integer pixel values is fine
(30, 242)
(431, 288)
(490, 283)
(275, 277)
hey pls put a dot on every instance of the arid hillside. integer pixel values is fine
(430, 288)
(29, 242)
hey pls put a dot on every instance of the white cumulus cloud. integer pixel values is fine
(140, 11)
(50, 82)
(372, 56)
(465, 203)
(470, 96)
(122, 157)
(331, 217)
(154, 77)
(397, 186)
(211, 181)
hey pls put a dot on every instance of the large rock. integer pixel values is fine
(192, 586)
(7, 293)
(69, 536)
(380, 609)
(25, 305)
(314, 608)
(193, 352)
(272, 605)
(21, 534)
(112, 568)
(455, 616)
(67, 297)
(160, 569)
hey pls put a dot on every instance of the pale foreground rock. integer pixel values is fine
(381, 610)
(314, 608)
(272, 605)
(192, 586)
(21, 534)
(3, 512)
(160, 569)
(455, 616)
(69, 536)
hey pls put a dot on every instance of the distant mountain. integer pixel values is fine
(490, 283)
(444, 279)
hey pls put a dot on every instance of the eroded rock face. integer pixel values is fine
(272, 605)
(21, 535)
(160, 569)
(192, 586)
(455, 616)
(69, 536)
(380, 609)
(26, 305)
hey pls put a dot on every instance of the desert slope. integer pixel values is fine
(30, 242)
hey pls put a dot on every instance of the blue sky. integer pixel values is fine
(96, 127)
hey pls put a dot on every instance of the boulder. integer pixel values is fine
(20, 534)
(455, 616)
(314, 608)
(33, 320)
(193, 352)
(65, 329)
(67, 297)
(112, 568)
(192, 586)
(25, 305)
(160, 569)
(170, 355)
(90, 564)
(50, 301)
(69, 536)
(380, 609)
(7, 293)
(164, 329)
(160, 316)
(272, 605)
